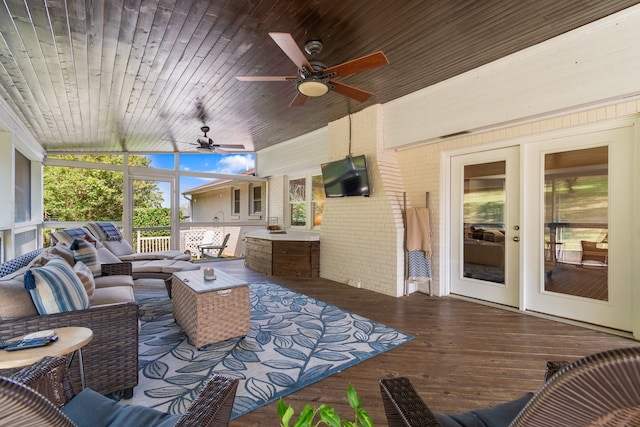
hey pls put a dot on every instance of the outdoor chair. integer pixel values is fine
(208, 248)
(602, 389)
(42, 395)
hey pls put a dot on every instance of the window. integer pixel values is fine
(255, 204)
(23, 188)
(235, 201)
(306, 201)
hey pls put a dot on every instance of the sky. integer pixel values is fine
(197, 162)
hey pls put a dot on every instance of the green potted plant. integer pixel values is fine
(327, 415)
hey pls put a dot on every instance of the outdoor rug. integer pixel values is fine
(294, 341)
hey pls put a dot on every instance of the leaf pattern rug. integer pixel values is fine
(293, 341)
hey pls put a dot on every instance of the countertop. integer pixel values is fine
(291, 236)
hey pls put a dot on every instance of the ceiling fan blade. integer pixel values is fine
(266, 78)
(364, 63)
(350, 91)
(291, 49)
(230, 146)
(298, 100)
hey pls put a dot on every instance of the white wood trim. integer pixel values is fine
(593, 65)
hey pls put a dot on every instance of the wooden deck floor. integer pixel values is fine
(464, 355)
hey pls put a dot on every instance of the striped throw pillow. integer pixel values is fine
(87, 253)
(86, 277)
(55, 287)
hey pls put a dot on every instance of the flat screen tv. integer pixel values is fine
(346, 177)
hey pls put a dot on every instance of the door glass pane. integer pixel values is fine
(484, 202)
(576, 240)
(151, 215)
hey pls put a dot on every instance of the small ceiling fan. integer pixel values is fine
(204, 144)
(314, 79)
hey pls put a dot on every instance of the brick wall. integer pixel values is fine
(361, 237)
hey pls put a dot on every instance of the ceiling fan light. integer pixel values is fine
(204, 150)
(313, 88)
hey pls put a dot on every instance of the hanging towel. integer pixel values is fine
(419, 266)
(418, 231)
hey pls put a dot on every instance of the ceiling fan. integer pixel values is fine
(314, 79)
(204, 144)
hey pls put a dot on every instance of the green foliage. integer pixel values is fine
(153, 217)
(82, 194)
(328, 416)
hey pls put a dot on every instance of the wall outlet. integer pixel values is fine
(354, 283)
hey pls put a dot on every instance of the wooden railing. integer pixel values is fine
(152, 244)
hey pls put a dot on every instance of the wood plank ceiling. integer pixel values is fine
(128, 75)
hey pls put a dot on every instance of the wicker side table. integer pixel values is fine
(210, 311)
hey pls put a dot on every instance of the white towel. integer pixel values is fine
(418, 231)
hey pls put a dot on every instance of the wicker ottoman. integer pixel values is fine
(210, 311)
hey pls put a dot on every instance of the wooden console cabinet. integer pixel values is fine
(284, 258)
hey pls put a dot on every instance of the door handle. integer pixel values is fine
(516, 239)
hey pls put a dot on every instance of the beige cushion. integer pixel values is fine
(162, 266)
(110, 281)
(86, 277)
(170, 254)
(118, 247)
(107, 257)
(49, 252)
(113, 295)
(15, 300)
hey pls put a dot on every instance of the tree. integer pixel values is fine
(81, 194)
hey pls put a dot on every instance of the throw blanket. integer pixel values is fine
(76, 233)
(110, 230)
(418, 231)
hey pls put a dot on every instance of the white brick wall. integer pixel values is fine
(276, 198)
(362, 237)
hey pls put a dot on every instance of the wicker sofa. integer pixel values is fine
(150, 268)
(111, 358)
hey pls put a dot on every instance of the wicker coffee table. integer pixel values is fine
(210, 311)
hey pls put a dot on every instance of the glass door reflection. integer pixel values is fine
(576, 211)
(484, 202)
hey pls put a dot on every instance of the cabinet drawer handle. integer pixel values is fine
(224, 292)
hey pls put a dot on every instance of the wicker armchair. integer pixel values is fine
(34, 395)
(601, 389)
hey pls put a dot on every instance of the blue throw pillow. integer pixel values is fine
(89, 408)
(87, 253)
(497, 416)
(55, 287)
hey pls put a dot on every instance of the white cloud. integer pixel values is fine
(235, 163)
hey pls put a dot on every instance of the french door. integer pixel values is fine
(578, 241)
(545, 226)
(485, 230)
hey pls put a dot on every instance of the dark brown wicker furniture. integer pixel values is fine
(20, 405)
(111, 358)
(601, 389)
